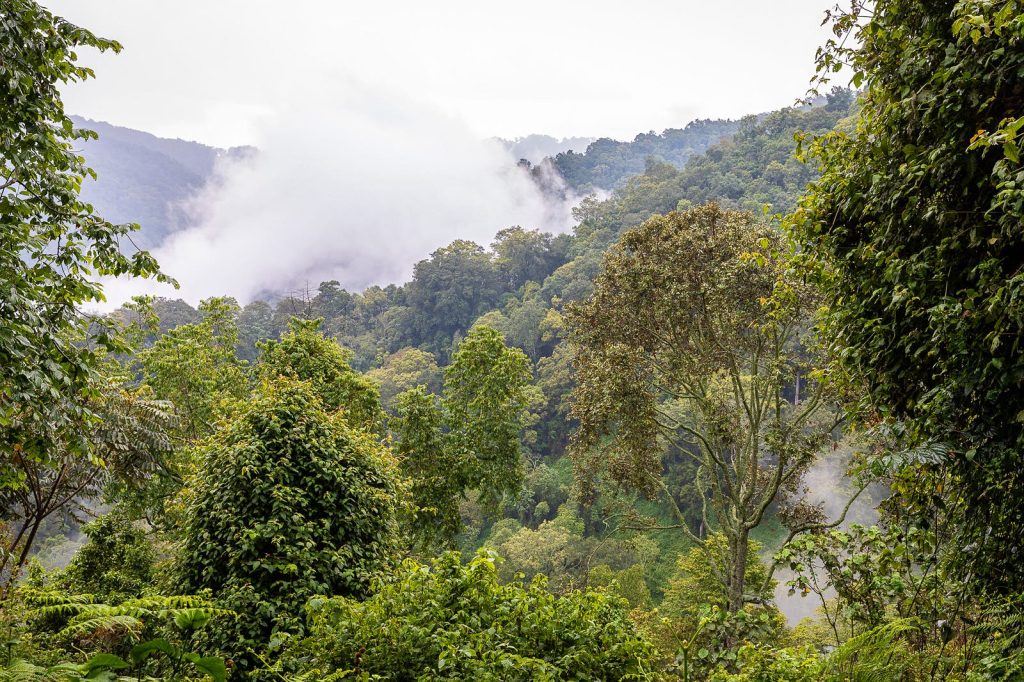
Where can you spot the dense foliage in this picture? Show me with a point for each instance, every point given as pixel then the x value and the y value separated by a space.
pixel 278 486
pixel 915 228
pixel 52 245
pixel 454 621
pixel 290 501
pixel 692 336
pixel 469 439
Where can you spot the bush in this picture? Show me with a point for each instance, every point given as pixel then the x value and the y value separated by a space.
pixel 765 664
pixel 116 564
pixel 454 621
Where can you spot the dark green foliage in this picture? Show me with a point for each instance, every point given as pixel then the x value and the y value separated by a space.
pixel 255 324
pixel 447 293
pixel 447 621
pixel 527 256
pixel 915 231
pixel 52 245
pixel 608 163
pixel 114 565
pixel 290 502
pixel 306 354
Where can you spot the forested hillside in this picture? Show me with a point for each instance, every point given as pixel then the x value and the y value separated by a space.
pixel 606 163
pixel 780 353
pixel 144 179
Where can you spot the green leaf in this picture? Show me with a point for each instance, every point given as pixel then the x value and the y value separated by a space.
pixel 142 651
pixel 103 661
pixel 191 619
pixel 212 666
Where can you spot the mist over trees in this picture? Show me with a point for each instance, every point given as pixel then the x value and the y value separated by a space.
pixel 555 455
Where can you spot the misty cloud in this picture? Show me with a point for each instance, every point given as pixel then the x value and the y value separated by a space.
pixel 356 187
pixel 828 485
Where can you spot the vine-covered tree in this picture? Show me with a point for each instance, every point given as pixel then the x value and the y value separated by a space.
pixel 915 231
pixel 306 354
pixel 290 501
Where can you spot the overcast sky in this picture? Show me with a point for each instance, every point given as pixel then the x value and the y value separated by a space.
pixel 216 70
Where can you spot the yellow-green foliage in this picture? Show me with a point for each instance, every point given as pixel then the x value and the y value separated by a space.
pixel 450 621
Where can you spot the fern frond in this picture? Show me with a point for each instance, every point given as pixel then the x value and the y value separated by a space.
pixel 23 671
pixel 102 623
pixel 875 655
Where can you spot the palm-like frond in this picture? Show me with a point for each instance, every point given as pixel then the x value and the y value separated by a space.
pixel 874 656
pixel 85 617
pixel 23 671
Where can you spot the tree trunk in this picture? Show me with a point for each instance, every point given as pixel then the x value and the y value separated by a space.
pixel 12 579
pixel 738 544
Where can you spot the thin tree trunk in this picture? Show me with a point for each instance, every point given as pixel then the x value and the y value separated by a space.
pixel 22 558
pixel 738 545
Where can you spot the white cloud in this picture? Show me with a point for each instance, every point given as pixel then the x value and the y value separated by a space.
pixel 356 187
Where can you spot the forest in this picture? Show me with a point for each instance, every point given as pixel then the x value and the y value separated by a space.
pixel 756 418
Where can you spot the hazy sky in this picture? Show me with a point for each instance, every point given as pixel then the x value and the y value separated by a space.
pixel 216 70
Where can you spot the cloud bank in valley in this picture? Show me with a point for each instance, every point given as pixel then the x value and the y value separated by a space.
pixel 355 187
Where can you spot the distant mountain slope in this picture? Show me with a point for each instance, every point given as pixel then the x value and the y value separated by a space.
pixel 607 164
pixel 143 178
pixel 535 148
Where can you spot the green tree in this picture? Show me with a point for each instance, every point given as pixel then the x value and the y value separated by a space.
pixel 195 366
pixel 114 565
pixel 527 255
pixel 692 338
pixel 438 476
pixel 447 293
pixel 255 324
pixel 52 245
pixel 484 399
pixel 914 232
pixel 290 502
pixel 475 628
pixel 404 370
pixel 470 438
pixel 306 354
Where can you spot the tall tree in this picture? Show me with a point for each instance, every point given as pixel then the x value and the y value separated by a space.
pixel 195 366
pixel 692 338
pixel 447 293
pixel 52 245
pixel 914 230
pixel 467 440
